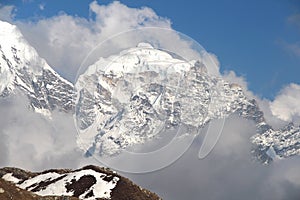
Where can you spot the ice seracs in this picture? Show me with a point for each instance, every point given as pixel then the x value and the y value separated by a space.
pixel 281 143
pixel 136 95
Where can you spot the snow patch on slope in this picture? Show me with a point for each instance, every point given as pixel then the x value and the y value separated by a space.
pixel 56 184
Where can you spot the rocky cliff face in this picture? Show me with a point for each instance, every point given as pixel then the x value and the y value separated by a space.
pixel 132 97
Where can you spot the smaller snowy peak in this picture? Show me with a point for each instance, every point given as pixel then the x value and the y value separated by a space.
pixel 88 183
pixel 22 70
pixel 17 50
pixel 9 31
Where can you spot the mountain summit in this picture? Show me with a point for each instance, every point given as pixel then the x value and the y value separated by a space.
pixel 142 92
pixel 23 71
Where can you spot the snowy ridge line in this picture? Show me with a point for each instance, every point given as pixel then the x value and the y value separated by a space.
pixel 23 71
pixel 88 183
pixel 123 99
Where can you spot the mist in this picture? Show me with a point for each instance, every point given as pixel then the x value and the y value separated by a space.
pixel 228 172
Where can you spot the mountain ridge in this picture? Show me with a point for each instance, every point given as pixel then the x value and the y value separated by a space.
pixel 22 70
pixel 140 87
pixel 126 98
pixel 89 182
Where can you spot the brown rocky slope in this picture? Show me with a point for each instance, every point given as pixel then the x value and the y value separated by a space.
pixel 90 183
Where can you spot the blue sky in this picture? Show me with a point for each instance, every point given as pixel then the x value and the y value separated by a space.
pixel 259 40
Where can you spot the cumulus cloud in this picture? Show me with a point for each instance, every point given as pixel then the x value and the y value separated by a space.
pixel 65 40
pixel 31 141
pixel 272 117
pixel 226 173
pixel 7 13
pixel 232 77
pixel 286 104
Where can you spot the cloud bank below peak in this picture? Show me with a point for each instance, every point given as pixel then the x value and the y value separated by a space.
pixel 286 104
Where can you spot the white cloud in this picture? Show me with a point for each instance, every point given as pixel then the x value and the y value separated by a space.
pixel 291 48
pixel 294 48
pixel 286 105
pixel 226 173
pixel 7 13
pixel 212 63
pixel 294 19
pixel 232 77
pixel 30 141
pixel 272 117
pixel 42 6
pixel 65 40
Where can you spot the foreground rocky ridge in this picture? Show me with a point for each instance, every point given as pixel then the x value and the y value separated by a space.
pixel 9 191
pixel 89 183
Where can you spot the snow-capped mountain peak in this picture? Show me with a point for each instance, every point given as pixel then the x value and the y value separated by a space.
pixel 131 97
pixel 139 59
pixel 22 70
pixel 18 51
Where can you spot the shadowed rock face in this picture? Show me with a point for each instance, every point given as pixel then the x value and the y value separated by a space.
pixel 135 96
pixel 90 182
pixel 9 191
